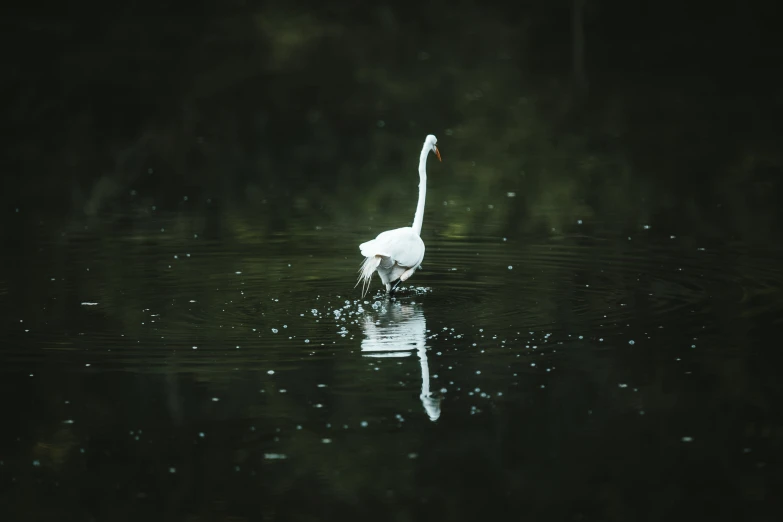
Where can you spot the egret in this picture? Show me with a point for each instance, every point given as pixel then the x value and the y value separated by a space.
pixel 396 254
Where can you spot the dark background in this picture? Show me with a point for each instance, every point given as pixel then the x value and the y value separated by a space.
pixel 261 101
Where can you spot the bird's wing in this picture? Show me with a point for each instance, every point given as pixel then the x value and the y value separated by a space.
pixel 402 245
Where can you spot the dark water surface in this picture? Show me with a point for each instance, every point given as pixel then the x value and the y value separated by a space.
pixel 156 373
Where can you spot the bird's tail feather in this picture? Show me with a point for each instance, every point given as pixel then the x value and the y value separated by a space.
pixel 369 265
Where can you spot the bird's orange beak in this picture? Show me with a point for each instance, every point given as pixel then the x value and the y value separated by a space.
pixel 437 153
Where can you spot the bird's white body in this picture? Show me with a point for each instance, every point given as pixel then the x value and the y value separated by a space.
pixel 397 254
pixel 394 254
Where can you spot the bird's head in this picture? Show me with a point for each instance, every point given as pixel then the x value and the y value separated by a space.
pixel 432 142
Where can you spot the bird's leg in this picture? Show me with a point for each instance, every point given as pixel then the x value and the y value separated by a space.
pixel 405 275
pixel 394 286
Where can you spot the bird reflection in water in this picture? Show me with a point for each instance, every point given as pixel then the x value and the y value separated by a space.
pixel 396 332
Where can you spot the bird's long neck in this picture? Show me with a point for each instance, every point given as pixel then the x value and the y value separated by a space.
pixel 418 218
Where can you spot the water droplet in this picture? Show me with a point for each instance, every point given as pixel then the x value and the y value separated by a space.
pixel 275 456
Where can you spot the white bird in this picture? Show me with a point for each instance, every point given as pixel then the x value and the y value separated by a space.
pixel 396 254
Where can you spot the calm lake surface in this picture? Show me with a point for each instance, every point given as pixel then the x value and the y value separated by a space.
pixel 156 372
pixel 594 335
